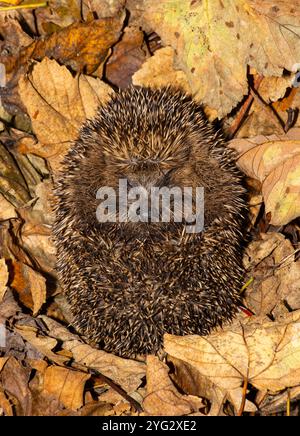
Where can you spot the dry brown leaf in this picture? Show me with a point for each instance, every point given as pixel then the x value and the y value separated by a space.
pixel 8 306
pixel 6 408
pixel 58 105
pixel 3 361
pixel 159 71
pixel 215 41
pixel 276 284
pixel 105 8
pixel 14 379
pixel 30 286
pixel 44 344
pixel 12 183
pixel 98 408
pixel 65 384
pixel 162 397
pixel 47 398
pixel 267 355
pixel 82 46
pixel 7 210
pixel 272 89
pixel 191 381
pixel 124 372
pixel 58 14
pixel 3 278
pixel 275 161
pixel 127 57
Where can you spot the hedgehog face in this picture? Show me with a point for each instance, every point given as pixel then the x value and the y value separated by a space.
pixel 141 178
pixel 159 146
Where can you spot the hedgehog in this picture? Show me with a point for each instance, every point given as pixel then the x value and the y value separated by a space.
pixel 128 282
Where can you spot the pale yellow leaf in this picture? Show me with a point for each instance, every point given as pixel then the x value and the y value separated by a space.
pixel 275 161
pixel 267 355
pixel 162 396
pixel 215 41
pixel 159 71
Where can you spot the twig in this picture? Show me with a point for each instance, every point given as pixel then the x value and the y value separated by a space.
pixel 242 112
pixel 23 6
pixel 117 388
pixel 244 393
pixel 288 403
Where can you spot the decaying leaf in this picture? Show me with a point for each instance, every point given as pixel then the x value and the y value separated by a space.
pixel 266 355
pixel 193 382
pixel 127 57
pixel 271 262
pixel 81 46
pixel 65 384
pixel 215 41
pixel 159 71
pixel 44 344
pixel 57 120
pixel 12 183
pixel 3 278
pixel 14 379
pixel 7 210
pixel 275 161
pixel 162 397
pixel 124 372
pixel 30 286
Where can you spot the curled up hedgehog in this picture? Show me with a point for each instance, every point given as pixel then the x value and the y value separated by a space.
pixel 130 281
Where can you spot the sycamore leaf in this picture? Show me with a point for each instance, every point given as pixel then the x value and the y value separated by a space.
pixel 266 355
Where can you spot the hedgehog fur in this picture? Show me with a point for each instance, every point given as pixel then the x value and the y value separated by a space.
pixel 129 283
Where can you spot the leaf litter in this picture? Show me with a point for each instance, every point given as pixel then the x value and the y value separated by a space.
pixel 56 76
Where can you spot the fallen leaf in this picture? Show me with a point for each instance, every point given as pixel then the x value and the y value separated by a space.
pixel 162 397
pixel 271 261
pixel 82 46
pixel 106 8
pixel 5 405
pixel 44 344
pixel 159 71
pixel 3 278
pixel 215 42
pixel 271 404
pixel 7 210
pixel 266 355
pixel 193 382
pixel 124 372
pixel 14 379
pixel 275 161
pixel 12 183
pixel 58 105
pixel 127 57
pixel 99 408
pixel 30 286
pixel 65 384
